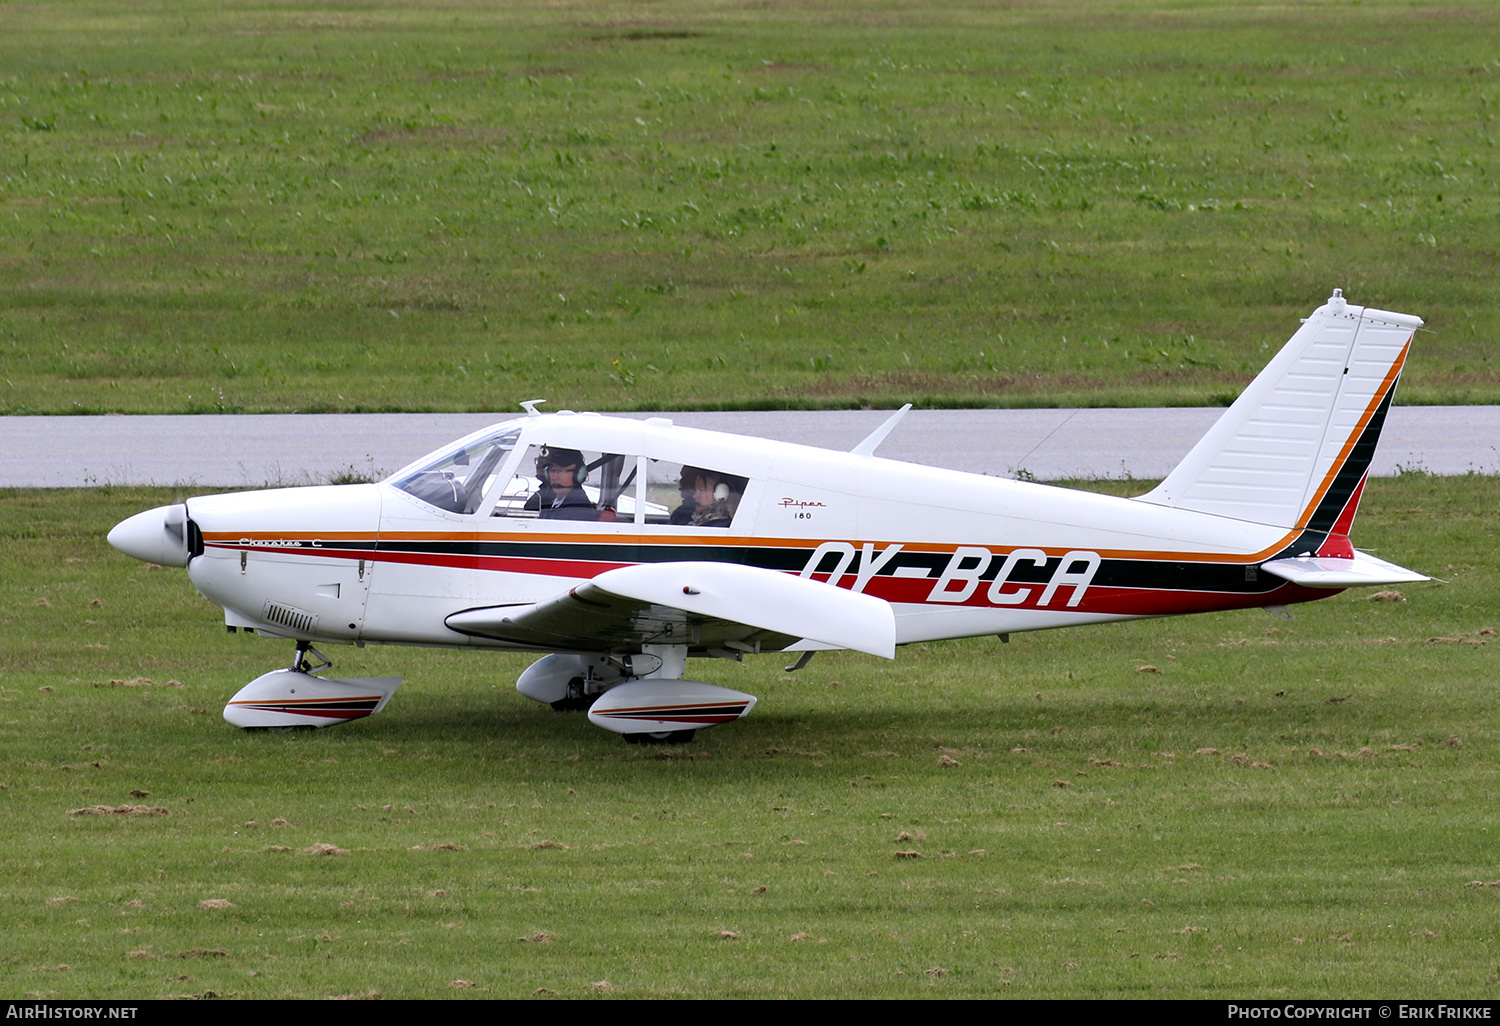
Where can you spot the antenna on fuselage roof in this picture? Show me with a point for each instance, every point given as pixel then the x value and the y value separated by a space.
pixel 867 447
pixel 530 406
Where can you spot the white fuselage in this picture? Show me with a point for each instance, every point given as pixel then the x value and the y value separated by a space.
pixel 955 554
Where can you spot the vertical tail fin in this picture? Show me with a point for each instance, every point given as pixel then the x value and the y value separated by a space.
pixel 1295 448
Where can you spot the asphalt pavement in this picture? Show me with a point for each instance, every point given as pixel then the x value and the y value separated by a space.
pixel 295 449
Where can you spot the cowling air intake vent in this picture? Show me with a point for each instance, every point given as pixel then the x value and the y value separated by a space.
pixel 289 617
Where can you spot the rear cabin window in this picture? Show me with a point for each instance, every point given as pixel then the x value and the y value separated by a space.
pixel 688 496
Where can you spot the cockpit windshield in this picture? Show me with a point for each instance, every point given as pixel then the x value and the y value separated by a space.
pixel 457 478
pixel 555 482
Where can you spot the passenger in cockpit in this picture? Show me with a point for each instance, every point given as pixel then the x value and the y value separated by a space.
pixel 709 498
pixel 561 495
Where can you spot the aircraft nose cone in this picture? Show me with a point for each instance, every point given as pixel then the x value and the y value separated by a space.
pixel 156 536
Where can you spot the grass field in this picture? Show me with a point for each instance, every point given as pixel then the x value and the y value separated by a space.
pixel 454 206
pixel 1220 806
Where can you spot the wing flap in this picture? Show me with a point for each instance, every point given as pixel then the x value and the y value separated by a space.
pixel 1337 572
pixel 700 604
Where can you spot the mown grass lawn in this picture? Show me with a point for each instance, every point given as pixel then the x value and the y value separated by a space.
pixel 1229 805
pixel 456 206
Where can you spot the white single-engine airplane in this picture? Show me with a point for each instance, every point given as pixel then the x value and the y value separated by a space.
pixel 624 547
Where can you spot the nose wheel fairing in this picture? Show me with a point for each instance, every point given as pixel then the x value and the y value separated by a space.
pixel 294 698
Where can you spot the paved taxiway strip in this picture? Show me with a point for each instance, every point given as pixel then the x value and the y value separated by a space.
pixel 291 449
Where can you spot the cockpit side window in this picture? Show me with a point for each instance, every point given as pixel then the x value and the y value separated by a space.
pixel 561 483
pixel 456 479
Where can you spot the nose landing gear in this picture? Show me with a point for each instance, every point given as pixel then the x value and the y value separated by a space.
pixel 296 697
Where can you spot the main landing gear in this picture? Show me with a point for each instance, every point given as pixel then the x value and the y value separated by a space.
pixel 640 695
pixel 583 693
pixel 578 698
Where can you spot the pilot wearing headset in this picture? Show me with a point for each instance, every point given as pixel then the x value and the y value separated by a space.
pixel 561 495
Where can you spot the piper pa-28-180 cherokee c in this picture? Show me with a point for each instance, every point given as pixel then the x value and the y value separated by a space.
pixel 623 547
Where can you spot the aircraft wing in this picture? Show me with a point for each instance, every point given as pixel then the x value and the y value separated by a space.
pixel 699 604
pixel 1337 572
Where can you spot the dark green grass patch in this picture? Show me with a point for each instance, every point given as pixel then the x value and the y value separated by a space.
pixel 1229 805
pixel 241 207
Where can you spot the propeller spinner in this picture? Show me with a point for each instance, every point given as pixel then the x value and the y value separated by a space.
pixel 158 535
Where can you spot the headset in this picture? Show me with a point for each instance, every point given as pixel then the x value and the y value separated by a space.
pixel 550 457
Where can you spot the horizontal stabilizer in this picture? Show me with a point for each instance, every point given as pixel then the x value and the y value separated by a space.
pixel 1336 572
